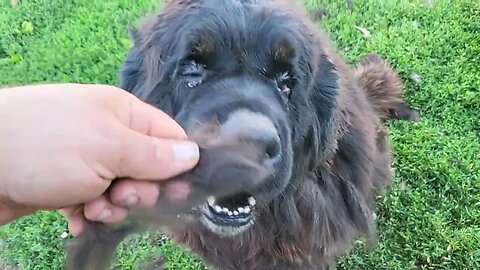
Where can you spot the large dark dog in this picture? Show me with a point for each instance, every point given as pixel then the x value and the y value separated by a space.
pixel 258 83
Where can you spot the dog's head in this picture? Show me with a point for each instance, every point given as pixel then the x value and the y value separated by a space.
pixel 253 70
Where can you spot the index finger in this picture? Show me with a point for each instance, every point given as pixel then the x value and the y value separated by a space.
pixel 143 117
pixel 151 121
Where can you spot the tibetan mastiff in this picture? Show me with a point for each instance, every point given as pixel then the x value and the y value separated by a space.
pixel 293 147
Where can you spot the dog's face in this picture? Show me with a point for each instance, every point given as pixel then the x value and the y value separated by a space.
pixel 249 70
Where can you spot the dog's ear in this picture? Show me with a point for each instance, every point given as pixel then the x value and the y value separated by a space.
pixel 323 99
pixel 134 34
pixel 145 66
pixel 341 155
pixel 157 46
pixel 130 75
pixel 318 128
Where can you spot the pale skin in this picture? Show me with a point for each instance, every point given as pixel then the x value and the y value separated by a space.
pixel 63 145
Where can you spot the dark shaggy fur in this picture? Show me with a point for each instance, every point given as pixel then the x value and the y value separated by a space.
pixel 205 60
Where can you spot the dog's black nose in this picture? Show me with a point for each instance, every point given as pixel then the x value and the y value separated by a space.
pixel 268 141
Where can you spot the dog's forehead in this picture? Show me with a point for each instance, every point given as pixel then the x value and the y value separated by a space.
pixel 236 29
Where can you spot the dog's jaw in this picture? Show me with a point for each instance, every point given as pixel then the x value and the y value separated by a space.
pixel 225 222
pixel 220 230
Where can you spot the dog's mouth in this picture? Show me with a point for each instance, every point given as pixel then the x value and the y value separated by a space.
pixel 232 211
pixel 229 215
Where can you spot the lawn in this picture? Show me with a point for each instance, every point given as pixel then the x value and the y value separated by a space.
pixel 428 219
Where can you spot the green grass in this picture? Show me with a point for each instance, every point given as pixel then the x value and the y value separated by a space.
pixel 429 218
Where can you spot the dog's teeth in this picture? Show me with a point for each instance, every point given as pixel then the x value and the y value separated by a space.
pixel 218 209
pixel 241 210
pixel 211 200
pixel 251 201
pixel 225 210
pixel 235 213
pixel 230 213
pixel 247 209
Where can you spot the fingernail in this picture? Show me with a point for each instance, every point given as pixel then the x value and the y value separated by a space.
pixel 131 200
pixel 106 213
pixel 186 151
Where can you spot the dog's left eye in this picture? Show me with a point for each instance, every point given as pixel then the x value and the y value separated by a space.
pixel 194 73
pixel 285 82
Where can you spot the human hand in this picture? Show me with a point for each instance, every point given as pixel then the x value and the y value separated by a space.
pixel 62 145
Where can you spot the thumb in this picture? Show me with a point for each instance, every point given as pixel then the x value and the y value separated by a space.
pixel 154 146
pixel 150 158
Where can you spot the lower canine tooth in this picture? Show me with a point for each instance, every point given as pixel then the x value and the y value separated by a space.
pixel 211 200
pixel 251 201
pixel 247 210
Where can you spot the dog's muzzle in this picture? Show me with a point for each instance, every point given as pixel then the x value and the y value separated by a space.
pixel 230 215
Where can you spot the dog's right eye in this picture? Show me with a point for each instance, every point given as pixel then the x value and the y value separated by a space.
pixel 285 82
pixel 194 73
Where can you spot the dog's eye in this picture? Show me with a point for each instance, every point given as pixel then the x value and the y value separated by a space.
pixel 194 73
pixel 285 82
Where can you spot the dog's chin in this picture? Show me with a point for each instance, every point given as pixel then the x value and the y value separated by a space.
pixel 228 217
